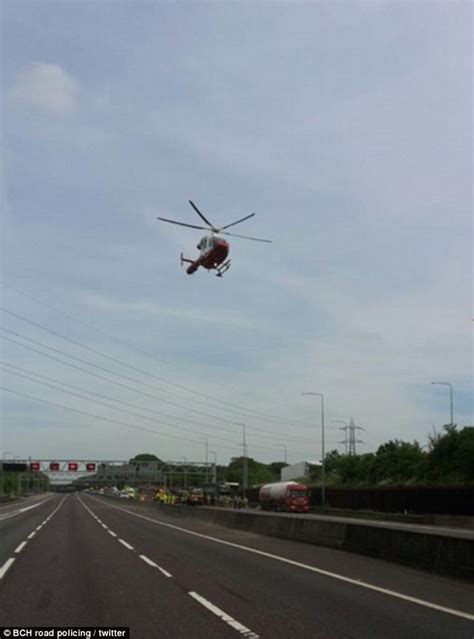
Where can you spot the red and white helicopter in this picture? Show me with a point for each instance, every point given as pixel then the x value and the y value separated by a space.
pixel 213 250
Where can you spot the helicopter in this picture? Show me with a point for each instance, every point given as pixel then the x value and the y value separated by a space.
pixel 213 250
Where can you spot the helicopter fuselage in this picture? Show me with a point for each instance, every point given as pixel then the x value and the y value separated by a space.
pixel 213 252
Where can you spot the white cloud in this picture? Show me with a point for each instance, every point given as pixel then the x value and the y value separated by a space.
pixel 46 88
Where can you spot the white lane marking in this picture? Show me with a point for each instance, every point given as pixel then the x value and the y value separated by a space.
pixel 20 511
pixel 236 625
pixel 298 564
pixel 31 535
pixel 152 563
pixel 127 545
pixel 21 546
pixel 124 543
pixel 6 566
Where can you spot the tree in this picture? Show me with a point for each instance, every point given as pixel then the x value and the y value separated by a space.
pixel 399 462
pixel 451 454
pixel 258 473
pixel 144 457
pixel 275 469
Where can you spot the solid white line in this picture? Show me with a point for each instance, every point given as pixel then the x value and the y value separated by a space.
pixel 236 625
pixel 124 543
pixel 291 562
pixel 6 566
pixel 21 546
pixel 20 511
pixel 152 563
pixel 23 510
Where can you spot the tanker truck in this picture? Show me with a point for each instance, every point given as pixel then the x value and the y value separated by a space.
pixel 285 495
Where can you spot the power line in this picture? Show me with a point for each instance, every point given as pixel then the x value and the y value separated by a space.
pixel 262 415
pixel 121 410
pixel 116 421
pixel 118 401
pixel 101 368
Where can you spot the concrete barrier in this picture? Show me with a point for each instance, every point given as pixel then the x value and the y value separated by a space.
pixel 441 552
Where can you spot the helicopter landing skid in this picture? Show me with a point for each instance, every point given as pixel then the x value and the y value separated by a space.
pixel 223 268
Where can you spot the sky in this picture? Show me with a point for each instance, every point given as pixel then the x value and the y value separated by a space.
pixel 345 126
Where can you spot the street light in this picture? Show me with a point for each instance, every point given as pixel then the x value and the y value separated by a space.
pixel 184 469
pixel 207 456
pixel 244 457
pixel 323 474
pixel 213 452
pixel 450 397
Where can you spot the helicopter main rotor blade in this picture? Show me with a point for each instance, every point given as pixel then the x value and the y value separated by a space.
pixel 191 226
pixel 201 215
pixel 238 221
pixel 246 237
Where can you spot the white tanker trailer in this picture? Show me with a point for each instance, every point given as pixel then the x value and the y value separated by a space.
pixel 285 495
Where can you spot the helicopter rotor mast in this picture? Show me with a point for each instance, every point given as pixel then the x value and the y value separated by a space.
pixel 214 229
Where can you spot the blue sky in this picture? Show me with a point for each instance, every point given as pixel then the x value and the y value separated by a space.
pixel 346 127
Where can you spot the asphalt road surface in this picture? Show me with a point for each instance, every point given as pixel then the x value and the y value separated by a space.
pixel 83 560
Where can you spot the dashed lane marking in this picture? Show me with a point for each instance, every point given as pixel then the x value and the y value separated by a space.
pixel 236 625
pixel 124 543
pixel 18 549
pixel 152 563
pixel 326 573
pixel 127 545
pixel 6 566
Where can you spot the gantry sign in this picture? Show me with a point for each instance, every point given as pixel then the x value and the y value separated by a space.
pixel 110 471
pixel 63 466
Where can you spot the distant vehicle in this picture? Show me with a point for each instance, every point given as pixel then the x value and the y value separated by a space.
pixel 214 250
pixel 220 489
pixel 127 493
pixel 195 497
pixel 285 495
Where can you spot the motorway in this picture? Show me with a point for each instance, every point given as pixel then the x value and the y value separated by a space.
pixel 83 560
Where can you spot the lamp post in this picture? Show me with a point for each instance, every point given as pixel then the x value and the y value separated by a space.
pixel 207 457
pixel 323 477
pixel 450 398
pixel 214 480
pixel 184 470
pixel 244 457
